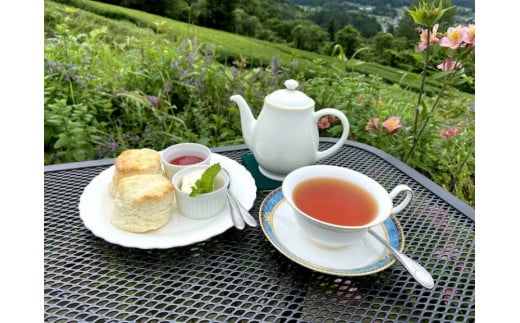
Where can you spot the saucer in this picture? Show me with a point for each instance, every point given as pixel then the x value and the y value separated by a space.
pixel 365 257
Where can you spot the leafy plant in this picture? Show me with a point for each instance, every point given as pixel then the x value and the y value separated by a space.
pixel 205 183
pixel 72 129
pixel 116 87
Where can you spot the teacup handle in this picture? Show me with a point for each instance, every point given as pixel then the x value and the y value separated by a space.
pixel 342 140
pixel 401 188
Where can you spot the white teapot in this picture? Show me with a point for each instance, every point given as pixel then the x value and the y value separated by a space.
pixel 285 135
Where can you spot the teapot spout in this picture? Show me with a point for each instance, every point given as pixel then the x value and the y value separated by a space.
pixel 247 120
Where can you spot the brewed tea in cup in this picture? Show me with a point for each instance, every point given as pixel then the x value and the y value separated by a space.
pixel 334 206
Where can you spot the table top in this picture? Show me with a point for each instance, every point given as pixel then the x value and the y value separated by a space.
pixel 238 276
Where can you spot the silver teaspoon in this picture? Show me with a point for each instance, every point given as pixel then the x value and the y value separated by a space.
pixel 241 210
pixel 238 222
pixel 421 275
pixel 246 216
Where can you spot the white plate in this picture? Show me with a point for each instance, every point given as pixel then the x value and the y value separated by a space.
pixel 96 206
pixel 365 257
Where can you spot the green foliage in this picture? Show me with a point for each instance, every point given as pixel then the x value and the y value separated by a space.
pixel 230 47
pixel 349 38
pixel 395 75
pixel 408 28
pixel 426 14
pixel 308 36
pixel 450 162
pixel 344 14
pixel 117 86
pixel 205 183
pixel 72 129
pixel 140 92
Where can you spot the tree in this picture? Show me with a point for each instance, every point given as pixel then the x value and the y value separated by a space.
pixel 382 41
pixel 239 16
pixel 178 10
pixel 218 14
pixel 382 49
pixel 192 12
pixel 282 28
pixel 331 29
pixel 308 36
pixel 250 25
pixel 366 25
pixel 390 29
pixel 349 38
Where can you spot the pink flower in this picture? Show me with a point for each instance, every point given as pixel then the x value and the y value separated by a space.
pixel 424 38
pixel 333 119
pixel 448 133
pixel 453 38
pixel 327 121
pixel 449 65
pixel 372 124
pixel 468 35
pixel 392 124
pixel 324 123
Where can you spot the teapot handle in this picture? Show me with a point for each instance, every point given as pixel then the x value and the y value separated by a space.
pixel 342 140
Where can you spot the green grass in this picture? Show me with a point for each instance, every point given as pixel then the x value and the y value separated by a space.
pixel 258 53
pixel 229 46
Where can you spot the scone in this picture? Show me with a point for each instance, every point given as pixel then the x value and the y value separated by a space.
pixel 134 162
pixel 143 203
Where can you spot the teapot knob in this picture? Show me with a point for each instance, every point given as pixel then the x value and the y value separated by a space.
pixel 291 84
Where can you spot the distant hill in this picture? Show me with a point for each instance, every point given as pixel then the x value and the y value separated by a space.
pixel 377 3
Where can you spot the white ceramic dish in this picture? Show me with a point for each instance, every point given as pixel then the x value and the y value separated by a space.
pixel 364 257
pixel 202 206
pixel 96 207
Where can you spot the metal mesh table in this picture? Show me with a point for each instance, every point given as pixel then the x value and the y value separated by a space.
pixel 238 276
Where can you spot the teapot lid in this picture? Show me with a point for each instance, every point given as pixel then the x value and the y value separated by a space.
pixel 289 98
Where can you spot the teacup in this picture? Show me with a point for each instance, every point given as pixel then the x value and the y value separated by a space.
pixel 180 156
pixel 205 205
pixel 335 206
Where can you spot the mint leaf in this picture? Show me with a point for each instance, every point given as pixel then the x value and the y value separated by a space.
pixel 205 183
